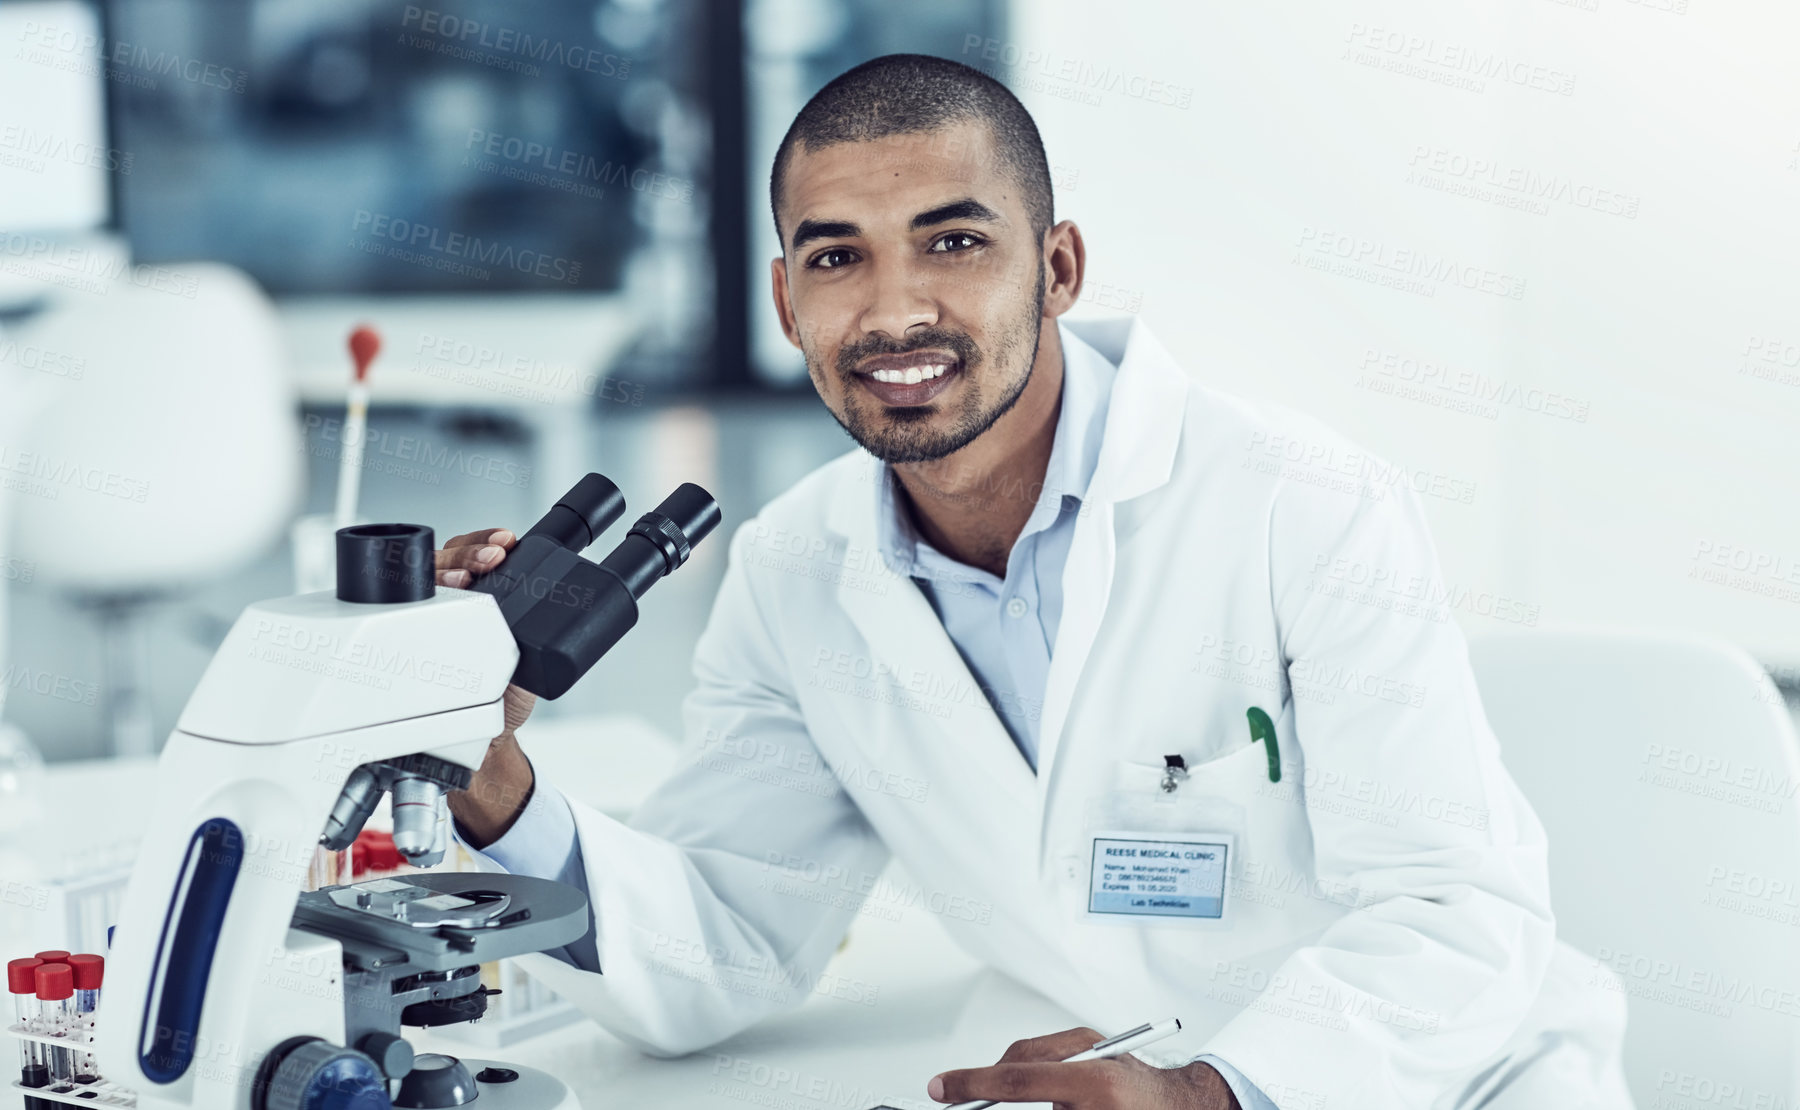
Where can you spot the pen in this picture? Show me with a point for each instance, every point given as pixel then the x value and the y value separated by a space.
pixel 1261 728
pixel 1130 1040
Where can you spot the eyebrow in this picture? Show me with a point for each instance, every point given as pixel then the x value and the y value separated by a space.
pixel 823 229
pixel 967 208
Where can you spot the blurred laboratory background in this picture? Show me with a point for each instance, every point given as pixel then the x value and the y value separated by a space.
pixel 231 187
pixel 200 198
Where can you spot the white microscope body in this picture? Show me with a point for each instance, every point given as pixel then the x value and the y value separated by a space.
pixel 303 691
pixel 222 993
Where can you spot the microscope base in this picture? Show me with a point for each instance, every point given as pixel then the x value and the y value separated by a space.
pixel 532 1090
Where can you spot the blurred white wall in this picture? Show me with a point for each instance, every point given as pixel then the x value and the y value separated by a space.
pixel 1298 197
pixel 54 158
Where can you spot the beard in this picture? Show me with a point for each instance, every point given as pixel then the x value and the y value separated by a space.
pixel 903 434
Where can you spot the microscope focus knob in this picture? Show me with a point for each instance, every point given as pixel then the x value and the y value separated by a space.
pixel 319 1075
pixel 436 1082
pixel 391 1054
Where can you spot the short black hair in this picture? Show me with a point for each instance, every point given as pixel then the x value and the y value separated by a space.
pixel 909 94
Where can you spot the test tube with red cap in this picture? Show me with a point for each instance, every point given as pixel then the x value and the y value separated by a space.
pixel 21 982
pixel 88 970
pixel 54 956
pixel 56 1014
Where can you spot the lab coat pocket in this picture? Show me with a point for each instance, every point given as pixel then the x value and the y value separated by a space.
pixel 1272 897
pixel 1145 795
pixel 1157 850
pixel 1276 900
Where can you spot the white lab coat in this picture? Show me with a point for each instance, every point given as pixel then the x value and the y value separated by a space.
pixel 1390 936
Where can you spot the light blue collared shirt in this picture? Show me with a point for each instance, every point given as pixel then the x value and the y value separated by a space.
pixel 1004 628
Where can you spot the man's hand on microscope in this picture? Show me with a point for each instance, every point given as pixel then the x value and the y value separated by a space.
pixel 499 791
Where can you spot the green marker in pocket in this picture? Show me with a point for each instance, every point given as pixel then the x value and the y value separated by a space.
pixel 1261 728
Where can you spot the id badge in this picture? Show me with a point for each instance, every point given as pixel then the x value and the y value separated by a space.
pixel 1156 857
pixel 1142 877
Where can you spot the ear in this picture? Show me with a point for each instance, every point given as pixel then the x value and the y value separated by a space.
pixel 1065 256
pixel 784 304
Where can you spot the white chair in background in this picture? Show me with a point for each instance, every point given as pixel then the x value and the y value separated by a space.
pixel 1666 770
pixel 173 461
pixel 22 398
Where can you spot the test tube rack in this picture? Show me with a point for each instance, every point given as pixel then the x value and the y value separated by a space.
pixel 98 1093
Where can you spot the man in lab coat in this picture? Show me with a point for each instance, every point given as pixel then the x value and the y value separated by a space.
pixel 1147 687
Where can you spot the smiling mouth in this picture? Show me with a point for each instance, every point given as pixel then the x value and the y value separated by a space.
pixel 908 379
pixel 911 375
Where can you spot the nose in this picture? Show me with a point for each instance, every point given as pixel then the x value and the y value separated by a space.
pixel 899 300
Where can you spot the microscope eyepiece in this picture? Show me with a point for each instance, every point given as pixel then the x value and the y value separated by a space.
pixel 692 511
pixel 566 612
pixel 588 509
pixel 663 538
pixel 384 564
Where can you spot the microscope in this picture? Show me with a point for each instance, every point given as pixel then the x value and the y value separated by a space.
pixel 231 989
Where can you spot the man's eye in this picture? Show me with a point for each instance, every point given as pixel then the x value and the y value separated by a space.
pixel 831 259
pixel 955 241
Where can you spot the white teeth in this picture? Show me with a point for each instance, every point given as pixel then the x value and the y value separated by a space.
pixel 912 375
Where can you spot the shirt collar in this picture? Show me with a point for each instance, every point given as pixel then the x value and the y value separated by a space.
pixel 1074 455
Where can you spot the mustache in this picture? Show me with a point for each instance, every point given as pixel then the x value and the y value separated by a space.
pixel 956 342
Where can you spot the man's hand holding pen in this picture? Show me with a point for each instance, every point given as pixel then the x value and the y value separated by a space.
pixel 1065 1070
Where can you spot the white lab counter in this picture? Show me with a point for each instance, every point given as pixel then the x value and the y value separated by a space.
pixel 932 1008
pixel 921 1005
pixel 521 351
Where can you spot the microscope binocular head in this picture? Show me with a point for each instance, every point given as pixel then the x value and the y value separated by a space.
pixel 564 611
